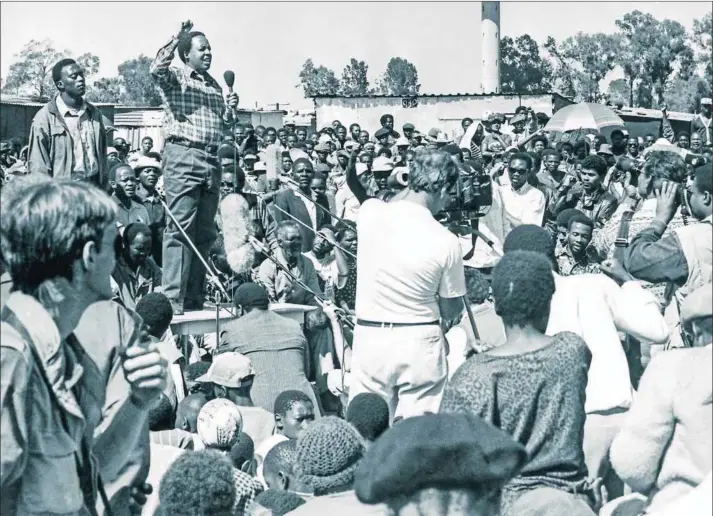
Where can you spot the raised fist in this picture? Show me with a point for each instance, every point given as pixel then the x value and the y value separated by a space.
pixel 186 26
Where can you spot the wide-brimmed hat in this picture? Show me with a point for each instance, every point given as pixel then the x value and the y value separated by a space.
pixel 605 150
pixel 402 142
pixel 142 162
pixel 322 147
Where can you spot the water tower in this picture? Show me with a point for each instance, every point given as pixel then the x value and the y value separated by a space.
pixel 490 47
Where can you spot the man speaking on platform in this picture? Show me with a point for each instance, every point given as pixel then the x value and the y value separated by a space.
pixel 409 277
pixel 195 117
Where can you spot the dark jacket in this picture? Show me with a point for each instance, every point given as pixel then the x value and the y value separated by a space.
pixel 51 149
pixel 291 203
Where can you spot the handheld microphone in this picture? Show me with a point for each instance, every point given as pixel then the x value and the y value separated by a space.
pixel 229 77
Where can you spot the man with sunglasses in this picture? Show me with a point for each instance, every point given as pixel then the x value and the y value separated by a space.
pixel 684 257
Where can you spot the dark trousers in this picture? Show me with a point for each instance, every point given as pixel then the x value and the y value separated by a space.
pixel 192 186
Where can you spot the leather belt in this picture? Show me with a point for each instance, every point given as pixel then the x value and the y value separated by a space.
pixel 375 324
pixel 210 148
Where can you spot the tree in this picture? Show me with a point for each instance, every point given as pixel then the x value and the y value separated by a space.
pixel 138 88
pixel 619 90
pixel 583 61
pixel 354 78
pixel 702 36
pixel 400 78
pixel 522 68
pixel 107 90
pixel 685 95
pixel 661 48
pixel 318 80
pixel 31 71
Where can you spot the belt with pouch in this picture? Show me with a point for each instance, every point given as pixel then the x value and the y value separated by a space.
pixel 376 324
pixel 209 148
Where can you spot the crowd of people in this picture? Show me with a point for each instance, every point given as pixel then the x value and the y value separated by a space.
pixel 552 359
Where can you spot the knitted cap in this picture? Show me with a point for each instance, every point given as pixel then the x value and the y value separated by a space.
pixel 328 453
pixel 219 424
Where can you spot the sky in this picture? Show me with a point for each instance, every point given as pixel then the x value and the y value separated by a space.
pixel 266 43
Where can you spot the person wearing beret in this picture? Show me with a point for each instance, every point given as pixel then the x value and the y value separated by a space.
pixel 664 450
pixel 383 137
pixel 275 345
pixel 445 464
pixel 409 129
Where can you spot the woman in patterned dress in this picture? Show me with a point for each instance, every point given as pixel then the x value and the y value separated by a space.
pixel 533 388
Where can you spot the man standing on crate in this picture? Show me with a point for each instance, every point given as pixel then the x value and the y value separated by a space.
pixel 195 117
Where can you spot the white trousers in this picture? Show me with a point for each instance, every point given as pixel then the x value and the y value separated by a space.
pixel 405 365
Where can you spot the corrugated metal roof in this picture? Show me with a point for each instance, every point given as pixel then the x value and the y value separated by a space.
pixel 17 100
pixel 654 113
pixel 431 95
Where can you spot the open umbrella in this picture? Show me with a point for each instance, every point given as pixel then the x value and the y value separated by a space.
pixel 583 116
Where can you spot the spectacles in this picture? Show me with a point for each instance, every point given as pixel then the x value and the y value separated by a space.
pixel 227 185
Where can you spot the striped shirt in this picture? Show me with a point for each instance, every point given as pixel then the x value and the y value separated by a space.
pixel 194 108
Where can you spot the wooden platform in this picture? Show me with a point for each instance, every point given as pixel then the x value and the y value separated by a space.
pixel 204 321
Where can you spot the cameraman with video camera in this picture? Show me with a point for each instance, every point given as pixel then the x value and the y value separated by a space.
pixel 410 279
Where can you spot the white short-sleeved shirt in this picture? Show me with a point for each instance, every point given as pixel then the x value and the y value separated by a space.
pixel 405 259
pixel 524 206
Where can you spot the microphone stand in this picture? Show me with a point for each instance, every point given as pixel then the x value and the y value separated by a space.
pixel 320 300
pixel 212 277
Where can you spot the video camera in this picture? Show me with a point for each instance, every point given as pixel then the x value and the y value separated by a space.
pixel 472 197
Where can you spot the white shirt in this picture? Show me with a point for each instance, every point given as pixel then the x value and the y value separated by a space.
pixel 594 307
pixel 326 268
pixel 405 259
pixel 347 204
pixel 524 206
pixel 494 226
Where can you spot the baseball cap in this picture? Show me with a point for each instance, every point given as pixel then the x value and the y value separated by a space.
pixel 382 164
pixel 229 369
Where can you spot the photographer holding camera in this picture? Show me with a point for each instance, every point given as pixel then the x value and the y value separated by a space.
pixel 684 256
pixel 410 279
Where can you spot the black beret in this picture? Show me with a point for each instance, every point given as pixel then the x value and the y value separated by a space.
pixel 436 450
pixel 249 295
pixel 382 132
